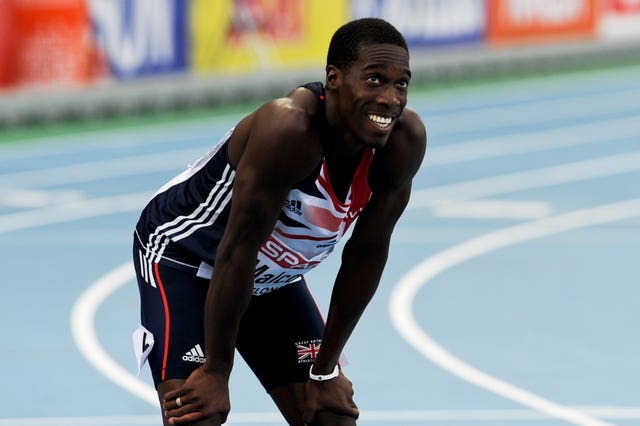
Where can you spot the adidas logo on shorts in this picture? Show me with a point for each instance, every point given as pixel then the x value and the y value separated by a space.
pixel 195 354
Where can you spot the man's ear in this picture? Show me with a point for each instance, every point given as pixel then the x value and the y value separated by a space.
pixel 333 77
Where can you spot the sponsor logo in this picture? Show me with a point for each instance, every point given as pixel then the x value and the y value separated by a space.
pixel 194 354
pixel 283 257
pixel 327 244
pixel 259 291
pixel 294 206
pixel 308 350
pixel 263 275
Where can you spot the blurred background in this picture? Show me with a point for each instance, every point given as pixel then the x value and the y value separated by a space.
pixel 104 58
pixel 533 114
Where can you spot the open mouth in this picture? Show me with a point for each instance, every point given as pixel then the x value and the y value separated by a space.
pixel 381 122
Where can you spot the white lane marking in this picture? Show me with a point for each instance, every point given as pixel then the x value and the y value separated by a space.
pixel 498 146
pixel 403 294
pixel 535 114
pixel 101 140
pixel 82 318
pixel 82 209
pixel 95 170
pixel 486 209
pixel 83 332
pixel 536 141
pixel 34 198
pixel 73 211
pixel 425 198
pixel 374 416
pixel 529 179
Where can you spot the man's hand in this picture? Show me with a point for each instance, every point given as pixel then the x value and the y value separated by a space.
pixel 335 395
pixel 203 396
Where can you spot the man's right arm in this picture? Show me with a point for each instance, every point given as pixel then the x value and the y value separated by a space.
pixel 260 187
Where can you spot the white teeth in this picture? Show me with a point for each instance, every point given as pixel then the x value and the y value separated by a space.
pixel 380 121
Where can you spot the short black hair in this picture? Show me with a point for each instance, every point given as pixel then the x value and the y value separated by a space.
pixel 347 40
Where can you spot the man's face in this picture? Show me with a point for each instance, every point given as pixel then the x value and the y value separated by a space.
pixel 373 93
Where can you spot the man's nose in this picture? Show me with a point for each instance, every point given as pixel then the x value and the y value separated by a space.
pixel 389 96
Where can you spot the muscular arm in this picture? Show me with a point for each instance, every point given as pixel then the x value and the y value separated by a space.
pixel 365 254
pixel 363 261
pixel 275 137
pixel 264 141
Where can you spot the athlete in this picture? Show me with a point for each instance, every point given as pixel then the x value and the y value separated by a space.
pixel 221 250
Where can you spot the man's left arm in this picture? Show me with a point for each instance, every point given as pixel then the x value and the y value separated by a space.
pixel 365 254
pixel 364 258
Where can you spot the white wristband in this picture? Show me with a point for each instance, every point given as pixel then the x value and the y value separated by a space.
pixel 323 377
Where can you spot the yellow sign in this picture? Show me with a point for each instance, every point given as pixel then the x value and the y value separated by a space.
pixel 250 35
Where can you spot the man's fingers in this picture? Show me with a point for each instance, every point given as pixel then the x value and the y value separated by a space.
pixel 326 417
pixel 194 416
pixel 311 414
pixel 187 418
pixel 351 411
pixel 178 411
pixel 174 399
pixel 172 395
pixel 177 402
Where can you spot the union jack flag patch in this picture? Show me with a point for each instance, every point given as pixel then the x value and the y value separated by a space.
pixel 308 350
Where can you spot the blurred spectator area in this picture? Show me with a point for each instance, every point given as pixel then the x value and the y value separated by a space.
pixel 78 59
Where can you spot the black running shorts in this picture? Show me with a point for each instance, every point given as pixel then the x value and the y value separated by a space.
pixel 279 336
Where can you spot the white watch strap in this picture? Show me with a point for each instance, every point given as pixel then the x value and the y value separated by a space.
pixel 323 377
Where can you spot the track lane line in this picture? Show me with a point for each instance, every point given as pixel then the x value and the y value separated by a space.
pixel 405 290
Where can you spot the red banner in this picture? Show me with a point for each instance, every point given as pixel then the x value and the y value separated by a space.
pixel 7 45
pixel 623 6
pixel 520 20
pixel 45 41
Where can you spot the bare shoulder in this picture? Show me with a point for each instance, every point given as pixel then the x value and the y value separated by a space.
pixel 411 126
pixel 281 132
pixel 396 164
pixel 292 116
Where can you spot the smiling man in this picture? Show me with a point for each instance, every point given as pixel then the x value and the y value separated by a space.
pixel 222 249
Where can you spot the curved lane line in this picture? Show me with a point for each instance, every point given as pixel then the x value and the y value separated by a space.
pixel 403 294
pixel 84 336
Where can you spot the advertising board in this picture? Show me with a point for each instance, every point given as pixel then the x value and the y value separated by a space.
pixel 429 22
pixel 247 35
pixel 541 20
pixel 141 37
pixel 44 42
pixel 619 19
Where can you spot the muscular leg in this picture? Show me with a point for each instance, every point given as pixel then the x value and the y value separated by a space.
pixel 290 400
pixel 284 321
pixel 169 385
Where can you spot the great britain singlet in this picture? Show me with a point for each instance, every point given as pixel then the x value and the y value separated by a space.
pixel 183 223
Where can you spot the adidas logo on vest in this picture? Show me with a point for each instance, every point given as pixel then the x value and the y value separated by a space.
pixel 294 206
pixel 195 354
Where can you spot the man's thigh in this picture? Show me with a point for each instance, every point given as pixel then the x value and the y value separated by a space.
pixel 280 335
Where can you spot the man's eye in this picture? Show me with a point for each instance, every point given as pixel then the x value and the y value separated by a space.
pixel 373 79
pixel 403 84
